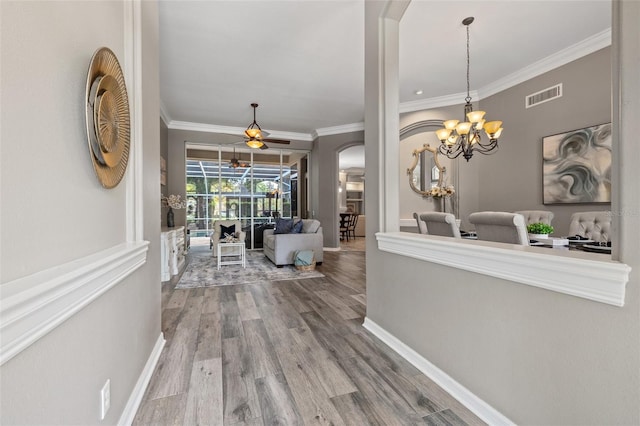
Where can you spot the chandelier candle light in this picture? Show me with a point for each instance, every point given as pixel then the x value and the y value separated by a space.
pixel 464 137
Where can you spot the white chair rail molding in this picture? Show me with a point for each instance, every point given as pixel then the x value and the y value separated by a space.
pixel 575 273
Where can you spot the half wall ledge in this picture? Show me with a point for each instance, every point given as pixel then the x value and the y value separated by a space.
pixel 579 274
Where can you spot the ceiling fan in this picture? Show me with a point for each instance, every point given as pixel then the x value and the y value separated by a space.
pixel 256 137
pixel 234 163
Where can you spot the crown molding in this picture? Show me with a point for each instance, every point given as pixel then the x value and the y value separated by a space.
pixel 556 60
pixel 164 115
pixel 338 130
pixel 437 102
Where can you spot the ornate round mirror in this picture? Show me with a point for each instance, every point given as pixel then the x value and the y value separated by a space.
pixel 426 170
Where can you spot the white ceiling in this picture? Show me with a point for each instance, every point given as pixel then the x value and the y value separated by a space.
pixel 303 61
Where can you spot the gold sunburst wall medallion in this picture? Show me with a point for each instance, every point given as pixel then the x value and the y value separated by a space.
pixel 107 116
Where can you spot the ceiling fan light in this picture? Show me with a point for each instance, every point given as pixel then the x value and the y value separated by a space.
pixel 252 133
pixel 254 143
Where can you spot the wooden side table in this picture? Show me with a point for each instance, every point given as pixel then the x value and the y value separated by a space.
pixel 240 252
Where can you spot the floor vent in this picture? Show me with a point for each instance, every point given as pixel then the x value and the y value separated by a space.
pixel 543 96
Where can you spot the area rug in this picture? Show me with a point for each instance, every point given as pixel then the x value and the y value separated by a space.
pixel 202 271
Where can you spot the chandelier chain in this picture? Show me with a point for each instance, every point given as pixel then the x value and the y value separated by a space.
pixel 468 98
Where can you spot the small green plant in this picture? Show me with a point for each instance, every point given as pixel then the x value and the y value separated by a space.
pixel 539 228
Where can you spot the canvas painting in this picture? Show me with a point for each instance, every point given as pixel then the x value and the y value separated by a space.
pixel 577 166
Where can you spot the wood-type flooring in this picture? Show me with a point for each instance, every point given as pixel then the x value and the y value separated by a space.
pixel 286 353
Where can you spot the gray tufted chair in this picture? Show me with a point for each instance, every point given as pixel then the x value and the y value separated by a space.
pixel 536 216
pixel 593 225
pixel 441 224
pixel 502 227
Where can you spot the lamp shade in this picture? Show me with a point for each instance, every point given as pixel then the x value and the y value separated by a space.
pixel 463 128
pixel 443 134
pixel 450 124
pixel 252 133
pixel 475 116
pixel 492 126
pixel 254 143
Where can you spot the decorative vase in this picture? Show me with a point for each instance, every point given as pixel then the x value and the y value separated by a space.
pixel 170 222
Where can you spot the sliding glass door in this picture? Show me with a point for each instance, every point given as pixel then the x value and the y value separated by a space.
pixel 255 187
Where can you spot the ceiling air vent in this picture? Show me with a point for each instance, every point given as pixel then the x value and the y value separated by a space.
pixel 543 96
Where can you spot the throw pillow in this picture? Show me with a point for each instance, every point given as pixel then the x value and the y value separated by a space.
pixel 283 226
pixel 225 231
pixel 297 227
pixel 310 226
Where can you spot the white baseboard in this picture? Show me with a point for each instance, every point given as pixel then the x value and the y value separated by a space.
pixel 330 248
pixel 476 405
pixel 130 410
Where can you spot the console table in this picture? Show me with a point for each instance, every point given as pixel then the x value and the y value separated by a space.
pixel 172 252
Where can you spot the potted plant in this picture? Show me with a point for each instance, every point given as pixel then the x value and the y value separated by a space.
pixel 539 230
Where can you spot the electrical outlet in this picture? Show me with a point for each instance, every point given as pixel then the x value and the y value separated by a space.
pixel 105 399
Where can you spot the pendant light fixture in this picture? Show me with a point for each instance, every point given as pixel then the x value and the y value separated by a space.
pixel 464 137
pixel 254 132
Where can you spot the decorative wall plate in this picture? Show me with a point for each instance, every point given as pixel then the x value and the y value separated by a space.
pixel 107 116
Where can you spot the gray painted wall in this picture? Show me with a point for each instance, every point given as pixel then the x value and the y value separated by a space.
pixel 324 182
pixel 537 356
pixel 511 179
pixel 164 153
pixel 46 49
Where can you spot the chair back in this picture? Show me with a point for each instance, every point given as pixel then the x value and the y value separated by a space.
pixel 501 227
pixel 353 221
pixel 536 216
pixel 443 224
pixel 593 225
pixel 422 227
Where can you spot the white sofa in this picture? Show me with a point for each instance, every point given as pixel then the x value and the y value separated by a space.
pixel 281 248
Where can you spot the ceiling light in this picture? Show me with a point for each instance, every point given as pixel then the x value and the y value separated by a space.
pixel 254 143
pixel 464 137
pixel 418 92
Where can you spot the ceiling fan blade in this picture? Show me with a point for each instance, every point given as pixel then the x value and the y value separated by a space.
pixel 264 146
pixel 282 141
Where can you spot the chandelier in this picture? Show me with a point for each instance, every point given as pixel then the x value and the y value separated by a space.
pixel 464 137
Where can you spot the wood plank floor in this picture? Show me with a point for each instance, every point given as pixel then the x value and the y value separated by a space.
pixel 286 353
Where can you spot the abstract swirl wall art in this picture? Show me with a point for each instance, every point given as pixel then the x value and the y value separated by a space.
pixel 576 166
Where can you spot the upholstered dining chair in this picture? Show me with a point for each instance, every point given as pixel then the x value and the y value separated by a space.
pixel 536 216
pixel 502 227
pixel 217 235
pixel 593 225
pixel 443 224
pixel 422 227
